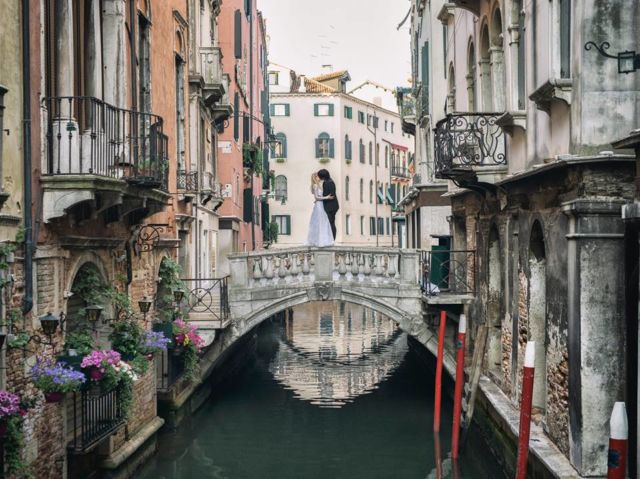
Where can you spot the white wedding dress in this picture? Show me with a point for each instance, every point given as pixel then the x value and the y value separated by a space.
pixel 319 228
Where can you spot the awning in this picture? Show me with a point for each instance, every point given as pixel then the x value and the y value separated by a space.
pixel 390 200
pixel 380 196
pixel 396 146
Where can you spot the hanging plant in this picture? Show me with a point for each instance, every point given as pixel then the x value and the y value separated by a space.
pixel 12 434
pixel 189 343
pixel 169 276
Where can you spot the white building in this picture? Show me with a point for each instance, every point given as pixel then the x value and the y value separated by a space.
pixel 360 143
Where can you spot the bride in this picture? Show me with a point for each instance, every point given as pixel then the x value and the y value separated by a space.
pixel 319 228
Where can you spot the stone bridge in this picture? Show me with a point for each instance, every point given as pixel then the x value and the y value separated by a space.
pixel 264 283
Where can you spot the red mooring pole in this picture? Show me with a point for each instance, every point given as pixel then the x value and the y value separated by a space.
pixel 438 396
pixel 618 436
pixel 457 396
pixel 526 399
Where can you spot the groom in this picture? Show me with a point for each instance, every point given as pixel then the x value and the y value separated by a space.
pixel 331 205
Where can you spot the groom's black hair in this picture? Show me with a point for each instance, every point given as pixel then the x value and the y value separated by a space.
pixel 324 174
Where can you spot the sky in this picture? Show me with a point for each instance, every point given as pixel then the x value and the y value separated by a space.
pixel 355 35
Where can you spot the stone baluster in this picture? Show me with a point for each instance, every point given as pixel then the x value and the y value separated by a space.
pixel 355 267
pixel 367 264
pixel 305 264
pixel 342 265
pixel 282 268
pixel 391 268
pixel 295 261
pixel 257 269
pixel 269 272
pixel 378 261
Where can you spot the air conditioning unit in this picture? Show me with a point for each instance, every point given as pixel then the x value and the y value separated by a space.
pixel 227 191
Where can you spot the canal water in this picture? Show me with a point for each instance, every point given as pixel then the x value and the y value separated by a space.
pixel 336 391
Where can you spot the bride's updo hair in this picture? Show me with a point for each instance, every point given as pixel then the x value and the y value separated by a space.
pixel 314 181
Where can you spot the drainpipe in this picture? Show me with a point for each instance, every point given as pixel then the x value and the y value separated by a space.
pixel 253 225
pixel 27 301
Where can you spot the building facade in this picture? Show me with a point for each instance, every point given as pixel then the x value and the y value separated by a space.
pixel 318 124
pixel 242 144
pixel 522 117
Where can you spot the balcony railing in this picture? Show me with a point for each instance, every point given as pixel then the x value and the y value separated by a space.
pixel 86 136
pixel 448 271
pixel 211 65
pixel 208 298
pixel 467 140
pixel 169 369
pixel 407 107
pixel 399 172
pixel 187 180
pixel 96 415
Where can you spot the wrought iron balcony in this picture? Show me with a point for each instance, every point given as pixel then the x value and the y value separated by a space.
pixel 448 272
pixel 95 415
pixel 211 71
pixel 86 136
pixel 399 172
pixel 464 141
pixel 187 181
pixel 407 107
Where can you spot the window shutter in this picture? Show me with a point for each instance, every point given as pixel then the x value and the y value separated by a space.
pixel 236 117
pixel 272 110
pixel 315 109
pixel 424 73
pixel 245 129
pixel 247 205
pixel 288 223
pixel 286 109
pixel 317 148
pixel 331 109
pixel 331 148
pixel 237 34
pixel 284 146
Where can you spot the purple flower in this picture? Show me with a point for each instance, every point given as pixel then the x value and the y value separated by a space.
pixel 154 341
pixel 9 404
pixel 56 377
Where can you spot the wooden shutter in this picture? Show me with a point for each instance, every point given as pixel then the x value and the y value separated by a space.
pixel 288 223
pixel 237 32
pixel 247 205
pixel 245 129
pixel 425 75
pixel 286 109
pixel 236 117
pixel 272 110
pixel 317 147
pixel 331 148
pixel 331 109
pixel 315 109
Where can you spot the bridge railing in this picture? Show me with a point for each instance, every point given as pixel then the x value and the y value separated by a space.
pixel 448 271
pixel 307 265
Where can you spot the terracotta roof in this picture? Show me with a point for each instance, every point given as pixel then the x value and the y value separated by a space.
pixel 310 85
pixel 331 76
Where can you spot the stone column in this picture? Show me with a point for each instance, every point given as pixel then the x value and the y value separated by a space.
pixel 497 74
pixel 471 91
pixel 409 266
pixel 595 293
pixel 239 272
pixel 486 85
pixel 93 52
pixel 113 34
pixel 514 43
pixel 64 48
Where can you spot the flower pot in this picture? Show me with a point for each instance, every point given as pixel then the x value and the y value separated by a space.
pixel 54 396
pixel 3 428
pixel 149 357
pixel 95 374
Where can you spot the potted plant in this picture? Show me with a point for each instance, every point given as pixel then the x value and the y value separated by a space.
pixel 153 342
pixel 77 345
pixel 9 407
pixel 188 343
pixel 101 365
pixel 126 338
pixel 56 379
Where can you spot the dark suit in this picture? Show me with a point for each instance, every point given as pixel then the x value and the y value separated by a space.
pixel 331 207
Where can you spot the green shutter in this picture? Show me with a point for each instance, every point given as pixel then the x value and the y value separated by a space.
pixel 286 109
pixel 317 148
pixel 236 117
pixel 331 109
pixel 288 223
pixel 331 148
pixel 272 110
pixel 237 31
pixel 247 205
pixel 315 109
pixel 425 74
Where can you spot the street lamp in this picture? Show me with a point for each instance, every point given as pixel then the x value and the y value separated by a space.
pixel 628 61
pixel 178 295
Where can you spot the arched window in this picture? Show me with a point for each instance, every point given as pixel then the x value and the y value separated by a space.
pixel 499 81
pixel 346 188
pixel 371 191
pixel 451 90
pixel 471 76
pixel 361 151
pixel 281 188
pixel 361 190
pixel 324 146
pixel 347 147
pixel 377 154
pixel 279 149
pixel 486 84
pixel 370 153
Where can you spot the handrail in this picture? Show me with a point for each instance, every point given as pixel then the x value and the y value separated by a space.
pixel 448 271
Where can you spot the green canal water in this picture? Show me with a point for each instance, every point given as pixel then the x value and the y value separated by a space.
pixel 334 392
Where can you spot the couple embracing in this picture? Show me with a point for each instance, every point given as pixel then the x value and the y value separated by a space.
pixel 322 227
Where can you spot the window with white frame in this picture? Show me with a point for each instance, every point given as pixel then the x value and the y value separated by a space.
pixel 274 78
pixel 280 109
pixel 284 224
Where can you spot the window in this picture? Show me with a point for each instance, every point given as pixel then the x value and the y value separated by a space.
pixel 372 226
pixel 279 149
pixel 381 226
pixel 280 109
pixel 362 225
pixel 361 117
pixel 386 125
pixel 375 121
pixel 347 224
pixel 284 224
pixel 361 190
pixel 371 153
pixel 346 188
pixel 386 156
pixel 391 127
pixel 371 191
pixel 361 151
pixel 274 78
pixel 281 188
pixel 347 147
pixel 565 38
pixel 348 112
pixel 388 229
pixel 369 119
pixel 323 109
pixel 324 146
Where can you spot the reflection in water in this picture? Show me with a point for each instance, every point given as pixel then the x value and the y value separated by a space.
pixel 330 354
pixel 335 393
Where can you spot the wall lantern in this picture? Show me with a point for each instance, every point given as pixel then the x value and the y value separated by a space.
pixel 178 294
pixel 49 323
pixel 628 61
pixel 144 305
pixel 93 313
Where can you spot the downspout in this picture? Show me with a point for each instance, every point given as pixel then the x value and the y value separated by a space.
pixel 27 301
pixel 253 216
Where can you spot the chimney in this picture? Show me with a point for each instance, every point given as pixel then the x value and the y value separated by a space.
pixel 303 88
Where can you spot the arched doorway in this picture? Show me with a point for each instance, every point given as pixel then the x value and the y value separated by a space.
pixel 538 313
pixel 494 304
